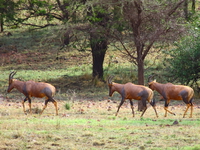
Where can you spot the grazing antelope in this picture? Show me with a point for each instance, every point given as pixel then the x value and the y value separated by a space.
pixel 170 91
pixel 131 91
pixel 33 89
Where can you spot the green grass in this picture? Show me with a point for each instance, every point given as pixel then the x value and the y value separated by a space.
pixel 83 131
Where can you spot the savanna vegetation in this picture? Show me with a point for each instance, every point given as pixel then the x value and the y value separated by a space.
pixel 76 46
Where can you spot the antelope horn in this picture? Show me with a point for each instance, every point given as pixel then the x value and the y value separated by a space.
pixel 12 74
pixel 110 79
pixel 150 78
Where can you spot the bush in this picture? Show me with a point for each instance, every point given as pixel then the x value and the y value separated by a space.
pixel 67 106
pixel 185 61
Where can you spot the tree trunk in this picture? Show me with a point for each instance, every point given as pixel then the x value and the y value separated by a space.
pixel 99 47
pixel 193 6
pixel 141 72
pixel 1 23
pixel 140 79
pixel 186 9
pixel 66 38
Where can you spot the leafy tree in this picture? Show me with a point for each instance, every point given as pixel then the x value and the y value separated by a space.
pixel 67 12
pixel 149 23
pixel 99 18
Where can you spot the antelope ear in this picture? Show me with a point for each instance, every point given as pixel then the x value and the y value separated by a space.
pixel 154 80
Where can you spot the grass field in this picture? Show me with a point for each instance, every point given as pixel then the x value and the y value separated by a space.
pixel 92 124
pixel 90 121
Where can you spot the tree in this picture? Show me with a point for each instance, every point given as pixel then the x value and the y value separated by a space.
pixel 67 12
pixel 98 17
pixel 99 46
pixel 149 23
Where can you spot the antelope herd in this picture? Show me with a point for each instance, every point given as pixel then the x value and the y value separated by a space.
pixel 129 91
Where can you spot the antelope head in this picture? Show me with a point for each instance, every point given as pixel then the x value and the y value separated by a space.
pixel 150 82
pixel 110 85
pixel 10 87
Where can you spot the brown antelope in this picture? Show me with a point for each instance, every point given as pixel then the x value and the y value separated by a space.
pixel 33 89
pixel 170 91
pixel 131 91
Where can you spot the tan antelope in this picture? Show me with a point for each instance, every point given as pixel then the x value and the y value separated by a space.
pixel 131 91
pixel 33 89
pixel 170 91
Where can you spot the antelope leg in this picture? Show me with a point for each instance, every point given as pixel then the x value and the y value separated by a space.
pixel 131 102
pixel 121 103
pixel 188 106
pixel 145 108
pixel 45 105
pixel 56 106
pixel 166 110
pixel 23 101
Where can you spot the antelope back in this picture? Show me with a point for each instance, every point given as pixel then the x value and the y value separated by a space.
pixel 40 89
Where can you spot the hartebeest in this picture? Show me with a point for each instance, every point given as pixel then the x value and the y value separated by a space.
pixel 132 91
pixel 33 89
pixel 170 91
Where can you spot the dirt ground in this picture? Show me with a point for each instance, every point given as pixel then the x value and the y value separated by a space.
pixel 106 105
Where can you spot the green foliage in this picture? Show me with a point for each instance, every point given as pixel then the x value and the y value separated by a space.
pixel 7 9
pixel 185 60
pixel 39 3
